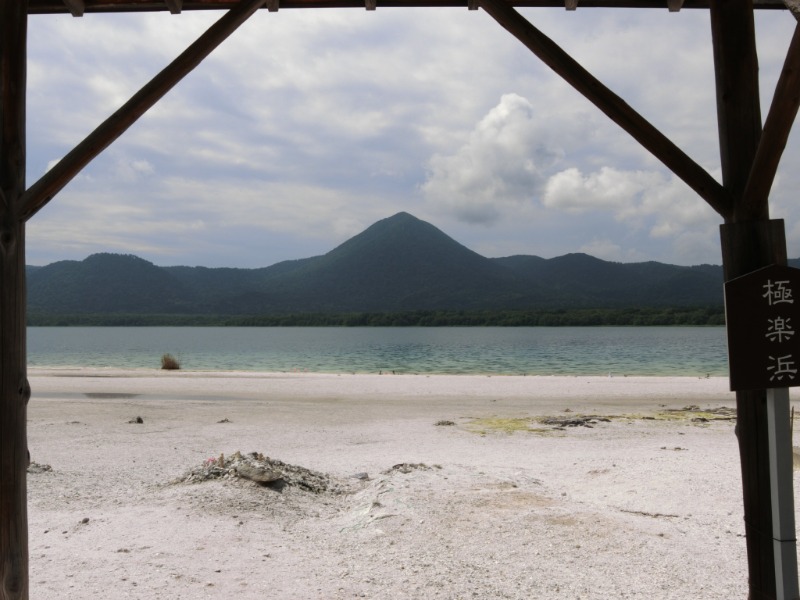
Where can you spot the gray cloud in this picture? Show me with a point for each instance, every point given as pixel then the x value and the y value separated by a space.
pixel 307 126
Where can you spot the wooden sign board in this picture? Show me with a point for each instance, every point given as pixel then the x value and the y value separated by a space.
pixel 762 313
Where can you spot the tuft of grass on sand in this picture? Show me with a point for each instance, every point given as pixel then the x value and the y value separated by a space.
pixel 509 425
pixel 170 363
pixel 694 414
pixel 548 425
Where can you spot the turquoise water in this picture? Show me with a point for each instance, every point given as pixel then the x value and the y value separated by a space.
pixel 679 351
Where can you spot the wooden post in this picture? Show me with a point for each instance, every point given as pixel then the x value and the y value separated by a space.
pixel 14 389
pixel 749 241
pixel 738 104
pixel 784 535
pixel 745 248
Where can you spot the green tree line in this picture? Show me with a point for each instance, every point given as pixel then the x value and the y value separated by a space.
pixel 419 318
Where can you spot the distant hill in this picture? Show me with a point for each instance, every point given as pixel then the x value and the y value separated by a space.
pixel 397 264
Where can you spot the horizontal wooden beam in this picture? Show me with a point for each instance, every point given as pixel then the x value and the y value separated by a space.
pixel 52 182
pixel 75 7
pixel 115 6
pixel 777 127
pixel 612 105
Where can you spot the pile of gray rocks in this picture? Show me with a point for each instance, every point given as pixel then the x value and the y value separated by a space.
pixel 264 471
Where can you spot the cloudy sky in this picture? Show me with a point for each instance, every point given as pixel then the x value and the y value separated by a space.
pixel 307 126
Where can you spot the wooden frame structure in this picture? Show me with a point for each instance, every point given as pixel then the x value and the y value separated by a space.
pixel 750 154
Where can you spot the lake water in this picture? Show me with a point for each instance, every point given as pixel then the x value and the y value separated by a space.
pixel 679 351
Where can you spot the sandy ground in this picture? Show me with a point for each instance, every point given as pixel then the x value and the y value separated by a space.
pixel 439 487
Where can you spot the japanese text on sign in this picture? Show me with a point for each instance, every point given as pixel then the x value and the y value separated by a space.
pixel 762 319
pixel 779 330
pixel 778 292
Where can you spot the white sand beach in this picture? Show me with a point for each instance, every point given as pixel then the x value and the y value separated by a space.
pixel 418 487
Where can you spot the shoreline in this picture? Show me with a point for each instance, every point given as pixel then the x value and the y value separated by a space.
pixel 396 372
pixel 544 390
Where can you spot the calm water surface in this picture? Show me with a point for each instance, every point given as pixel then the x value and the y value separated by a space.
pixel 681 351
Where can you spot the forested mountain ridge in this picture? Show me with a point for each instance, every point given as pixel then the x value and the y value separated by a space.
pixel 398 264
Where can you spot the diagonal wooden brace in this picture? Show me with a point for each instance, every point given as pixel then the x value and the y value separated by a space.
pixel 612 105
pixel 52 182
pixel 781 116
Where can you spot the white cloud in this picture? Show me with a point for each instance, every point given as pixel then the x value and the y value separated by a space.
pixel 500 167
pixel 606 189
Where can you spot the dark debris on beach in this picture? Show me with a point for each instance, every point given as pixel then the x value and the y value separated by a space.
pixel 264 471
pixel 577 421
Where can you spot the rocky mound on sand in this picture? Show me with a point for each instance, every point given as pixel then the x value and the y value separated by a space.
pixel 265 471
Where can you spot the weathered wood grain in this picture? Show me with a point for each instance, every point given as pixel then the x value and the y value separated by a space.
pixel 749 241
pixel 777 127
pixel 738 102
pixel 14 390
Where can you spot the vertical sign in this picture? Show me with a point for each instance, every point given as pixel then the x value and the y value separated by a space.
pixel 762 313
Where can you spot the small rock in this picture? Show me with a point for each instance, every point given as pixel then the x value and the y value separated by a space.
pixel 259 475
pixel 35 467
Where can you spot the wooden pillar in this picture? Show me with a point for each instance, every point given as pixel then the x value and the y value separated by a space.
pixel 14 389
pixel 738 103
pixel 749 241
pixel 745 248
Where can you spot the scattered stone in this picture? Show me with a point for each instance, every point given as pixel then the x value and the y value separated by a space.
pixel 137 420
pixel 38 468
pixel 259 474
pixel 84 520
pixel 224 421
pixel 655 515
pixel 409 467
pixel 360 476
pixel 444 423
